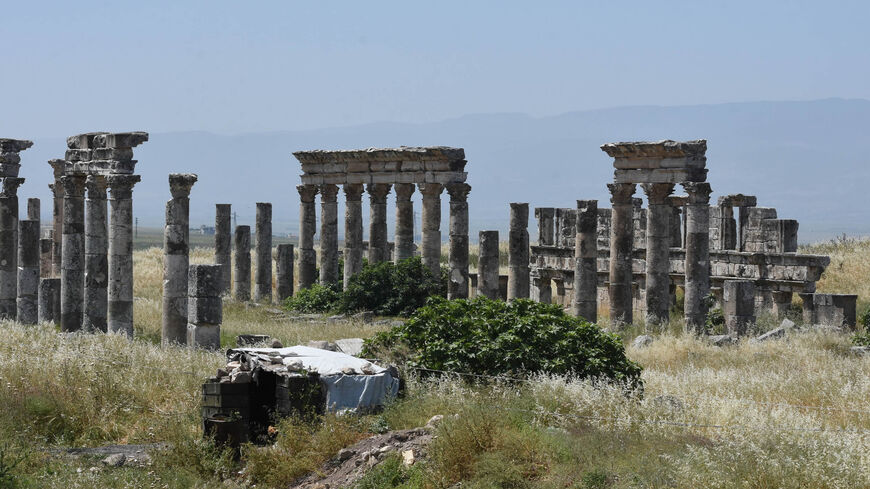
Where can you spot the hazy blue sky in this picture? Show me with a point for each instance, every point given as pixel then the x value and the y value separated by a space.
pixel 231 67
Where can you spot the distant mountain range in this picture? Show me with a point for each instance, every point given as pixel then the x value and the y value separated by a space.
pixel 810 160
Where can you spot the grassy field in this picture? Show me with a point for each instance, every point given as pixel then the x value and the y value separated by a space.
pixel 792 413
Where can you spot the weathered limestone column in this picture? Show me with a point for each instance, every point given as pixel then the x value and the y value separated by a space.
pixel 176 259
pixel 205 307
pixel 353 230
pixel 49 300
pixel 45 247
pixel 658 243
pixel 57 216
pixel 586 261
pixel 242 263
pixel 487 265
pixel 33 209
pixel 28 271
pixel 284 272
pixel 96 259
pixel 546 217
pixel 307 228
pixel 72 277
pixel 697 254
pixel 329 234
pixel 431 216
pixel 621 245
pixel 518 252
pixel 9 246
pixel 738 306
pixel 677 203
pixel 378 250
pixel 120 317
pixel 223 244
pixel 457 284
pixel 405 222
pixel 263 271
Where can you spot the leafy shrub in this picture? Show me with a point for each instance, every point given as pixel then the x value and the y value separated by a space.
pixel 484 336
pixel 314 299
pixel 715 321
pixel 864 318
pixel 389 289
pixel 862 338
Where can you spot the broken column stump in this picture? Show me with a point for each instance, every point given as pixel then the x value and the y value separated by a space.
pixel 204 306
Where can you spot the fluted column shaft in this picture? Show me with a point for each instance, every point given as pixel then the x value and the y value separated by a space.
pixel 404 221
pixel 697 269
pixel 176 259
pixel 658 242
pixel 518 252
pixel 431 228
pixel 307 228
pixel 72 277
pixel 621 244
pixel 353 230
pixel 223 244
pixel 329 234
pixel 96 259
pixel 263 271
pixel 120 316
pixel 378 247
pixel 457 260
pixel 586 261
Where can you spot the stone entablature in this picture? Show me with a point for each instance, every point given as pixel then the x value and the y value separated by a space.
pixel 435 164
pixel 102 153
pixel 658 162
pixel 10 160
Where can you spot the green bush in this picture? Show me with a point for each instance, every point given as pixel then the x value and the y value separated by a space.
pixel 864 318
pixel 315 299
pixel 389 289
pixel 489 337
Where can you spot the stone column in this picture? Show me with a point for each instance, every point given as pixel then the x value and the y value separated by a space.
pixel 57 166
pixel 242 261
pixel 697 269
pixel 223 244
pixel 263 271
pixel 738 304
pixel 546 217
pixel 431 227
pixel 658 243
pixel 284 269
pixel 329 234
pixel 205 308
pixel 9 246
pixel 307 228
pixel 45 248
pixel 353 230
pixel 96 259
pixel 621 245
pixel 487 265
pixel 378 250
pixel 28 271
pixel 72 277
pixel 49 300
pixel 405 221
pixel 33 209
pixel 120 317
pixel 518 252
pixel 457 284
pixel 586 261
pixel 176 259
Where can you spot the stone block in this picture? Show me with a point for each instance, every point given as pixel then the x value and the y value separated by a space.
pixel 204 336
pixel 204 281
pixel 205 310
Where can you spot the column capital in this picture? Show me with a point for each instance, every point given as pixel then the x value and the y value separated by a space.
pixel 10 186
pixel 404 191
pixel 180 184
pixel 57 166
pixel 73 185
pixel 328 192
pixel 621 193
pixel 378 191
pixel 353 192
pixel 699 192
pixel 458 191
pixel 657 193
pixel 430 190
pixel 96 187
pixel 121 186
pixel 307 193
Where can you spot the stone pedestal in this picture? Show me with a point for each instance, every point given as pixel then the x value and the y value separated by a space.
pixel 518 252
pixel 72 276
pixel 57 217
pixel 307 228
pixel 284 269
pixel 96 256
pixel 205 307
pixel 586 261
pixel 487 265
pixel 329 234
pixel 431 217
pixel 621 245
pixel 378 250
pixel 49 301
pixel 263 270
pixel 738 306
pixel 353 230
pixel 542 289
pixel 837 310
pixel 176 259
pixel 242 262
pixel 223 244
pixel 405 221
pixel 120 317
pixel 28 271
pixel 658 243
pixel 457 284
pixel 697 284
